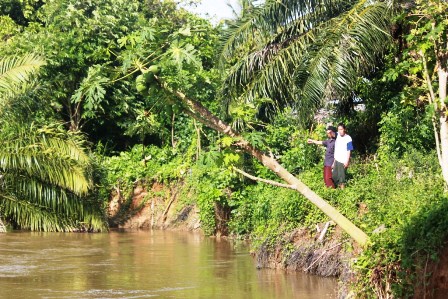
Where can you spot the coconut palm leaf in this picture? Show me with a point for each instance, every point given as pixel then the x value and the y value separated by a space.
pixel 44 173
pixel 53 198
pixel 48 155
pixel 15 71
pixel 32 216
pixel 43 201
pixel 304 52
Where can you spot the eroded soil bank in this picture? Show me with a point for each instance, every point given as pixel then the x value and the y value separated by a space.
pixel 152 206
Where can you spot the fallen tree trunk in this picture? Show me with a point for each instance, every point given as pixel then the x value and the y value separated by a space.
pixel 202 114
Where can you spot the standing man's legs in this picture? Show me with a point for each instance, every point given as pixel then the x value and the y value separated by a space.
pixel 339 174
pixel 328 177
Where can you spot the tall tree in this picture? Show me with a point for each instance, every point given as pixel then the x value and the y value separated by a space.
pixel 428 53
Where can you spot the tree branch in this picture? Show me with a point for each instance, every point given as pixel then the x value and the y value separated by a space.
pixel 274 183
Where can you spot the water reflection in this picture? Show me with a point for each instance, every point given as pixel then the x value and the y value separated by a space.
pixel 142 264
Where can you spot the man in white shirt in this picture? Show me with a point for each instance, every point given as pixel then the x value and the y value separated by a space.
pixel 342 151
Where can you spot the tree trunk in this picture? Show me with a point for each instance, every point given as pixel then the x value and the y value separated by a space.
pixel 198 141
pixel 2 227
pixel 203 115
pixel 172 131
pixel 443 74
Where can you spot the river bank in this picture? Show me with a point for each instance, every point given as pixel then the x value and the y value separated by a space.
pixel 322 252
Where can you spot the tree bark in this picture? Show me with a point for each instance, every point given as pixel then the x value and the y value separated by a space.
pixel 207 118
pixel 2 227
pixel 443 74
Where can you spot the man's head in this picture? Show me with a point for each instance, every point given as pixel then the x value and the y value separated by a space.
pixel 341 129
pixel 331 132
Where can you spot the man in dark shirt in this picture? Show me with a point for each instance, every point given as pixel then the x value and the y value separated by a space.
pixel 329 154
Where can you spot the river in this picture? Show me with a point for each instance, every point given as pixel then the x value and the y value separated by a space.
pixel 143 264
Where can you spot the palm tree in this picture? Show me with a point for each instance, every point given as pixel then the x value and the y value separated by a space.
pixel 303 53
pixel 306 52
pixel 43 171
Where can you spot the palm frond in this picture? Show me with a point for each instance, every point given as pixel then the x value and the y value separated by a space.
pixel 32 216
pixel 42 194
pixel 349 48
pixel 267 70
pixel 44 201
pixel 17 70
pixel 49 208
pixel 309 50
pixel 279 19
pixel 43 171
pixel 48 156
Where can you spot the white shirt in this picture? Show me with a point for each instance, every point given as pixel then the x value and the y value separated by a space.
pixel 341 148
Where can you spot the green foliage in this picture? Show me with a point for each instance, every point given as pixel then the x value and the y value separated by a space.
pixel 405 128
pixel 402 200
pixel 288 142
pixel 45 170
pixel 206 185
pixel 7 26
pixel 88 82
pixel 182 53
pixel 91 92
pixel 15 73
pixel 258 206
pixel 140 163
pixel 45 174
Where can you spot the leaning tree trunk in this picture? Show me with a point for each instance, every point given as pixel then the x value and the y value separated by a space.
pixel 202 114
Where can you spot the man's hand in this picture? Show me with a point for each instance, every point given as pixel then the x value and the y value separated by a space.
pixel 310 141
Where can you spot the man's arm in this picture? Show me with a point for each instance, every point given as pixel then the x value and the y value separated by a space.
pixel 348 159
pixel 349 152
pixel 318 142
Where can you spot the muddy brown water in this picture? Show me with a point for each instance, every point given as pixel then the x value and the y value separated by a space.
pixel 142 264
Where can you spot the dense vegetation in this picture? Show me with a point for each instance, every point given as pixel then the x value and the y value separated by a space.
pixel 88 104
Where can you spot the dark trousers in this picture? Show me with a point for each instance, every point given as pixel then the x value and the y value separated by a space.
pixel 339 173
pixel 328 177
